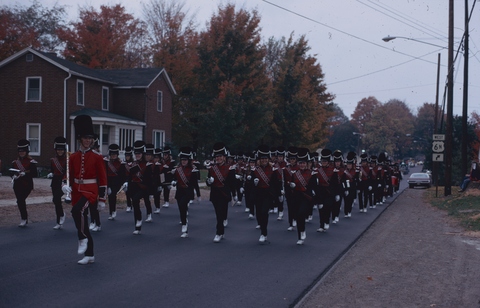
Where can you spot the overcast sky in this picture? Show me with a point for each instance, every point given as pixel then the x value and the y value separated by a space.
pixel 346 37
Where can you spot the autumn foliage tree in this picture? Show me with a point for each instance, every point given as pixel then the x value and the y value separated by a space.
pixel 34 26
pixel 300 98
pixel 107 39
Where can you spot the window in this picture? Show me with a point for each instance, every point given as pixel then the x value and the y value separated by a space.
pixel 80 93
pixel 33 135
pixel 158 138
pixel 126 137
pixel 159 101
pixel 104 98
pixel 29 57
pixel 34 89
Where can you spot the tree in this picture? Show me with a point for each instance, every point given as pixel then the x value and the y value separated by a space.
pixel 108 39
pixel 174 41
pixel 301 109
pixel 34 26
pixel 363 112
pixel 232 103
pixel 343 139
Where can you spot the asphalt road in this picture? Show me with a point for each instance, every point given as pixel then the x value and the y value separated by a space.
pixel 38 265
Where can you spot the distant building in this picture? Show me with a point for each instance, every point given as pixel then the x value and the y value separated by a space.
pixel 41 94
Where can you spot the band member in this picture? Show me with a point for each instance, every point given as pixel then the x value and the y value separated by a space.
pixel 157 183
pixel 280 166
pixel 375 181
pixel 87 184
pixel 116 175
pixel 149 175
pixel 249 187
pixel 267 188
pixel 197 164
pixel 304 186
pixel 221 180
pixel 239 177
pixel 327 189
pixel 185 178
pixel 289 170
pixel 24 169
pixel 58 169
pixel 168 165
pixel 128 160
pixel 365 184
pixel 139 184
pixel 349 183
pixel 95 224
pixel 336 181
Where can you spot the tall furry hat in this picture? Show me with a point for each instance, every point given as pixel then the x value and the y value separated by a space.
pixel 83 126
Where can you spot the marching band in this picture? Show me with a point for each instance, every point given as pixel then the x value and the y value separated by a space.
pixel 268 180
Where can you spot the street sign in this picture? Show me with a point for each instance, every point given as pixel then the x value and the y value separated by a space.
pixel 438 137
pixel 437 157
pixel 438 146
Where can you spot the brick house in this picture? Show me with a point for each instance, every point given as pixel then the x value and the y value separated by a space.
pixel 41 94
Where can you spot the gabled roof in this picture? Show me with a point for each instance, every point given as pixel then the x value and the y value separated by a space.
pixel 101 115
pixel 121 78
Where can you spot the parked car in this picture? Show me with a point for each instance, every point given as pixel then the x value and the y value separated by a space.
pixel 419 179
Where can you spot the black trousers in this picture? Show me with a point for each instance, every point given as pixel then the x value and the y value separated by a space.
pixel 57 194
pixel 326 210
pixel 80 217
pixel 182 202
pixel 263 203
pixel 21 194
pixel 221 212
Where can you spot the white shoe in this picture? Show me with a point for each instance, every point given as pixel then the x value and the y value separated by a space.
pixel 275 210
pixel 294 223
pixel 334 221
pixel 257 227
pixel 97 229
pixel 290 228
pixel 280 216
pixel 320 230
pixel 217 238
pixel 270 211
pixel 137 232
pixel 58 227
pixel 114 214
pixel 315 207
pixel 262 239
pixel 365 210
pixel 184 228
pixel 184 235
pixel 166 204
pixel 23 223
pixel 82 246
pixel 247 210
pixel 129 209
pixel 250 216
pixel 349 215
pixel 239 203
pixel 110 217
pixel 374 206
pixel 92 225
pixel 300 242
pixel 327 226
pixel 138 224
pixel 157 211
pixel 303 235
pixel 225 222
pixel 62 219
pixel 337 219
pixel 310 218
pixel 149 218
pixel 361 210
pixel 86 260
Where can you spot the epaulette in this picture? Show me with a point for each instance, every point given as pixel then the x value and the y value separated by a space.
pixel 232 167
pixel 195 169
pixel 149 164
pixel 33 161
pixel 106 159
pixel 314 172
pixel 274 168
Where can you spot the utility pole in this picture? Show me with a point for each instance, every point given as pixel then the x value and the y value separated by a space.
pixel 465 96
pixel 449 120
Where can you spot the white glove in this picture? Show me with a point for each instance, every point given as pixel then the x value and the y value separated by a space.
pixel 21 174
pixel 101 205
pixel 50 175
pixel 337 198
pixel 235 198
pixel 379 185
pixel 255 181
pixel 313 193
pixel 66 189
pixel 292 185
pixel 238 176
pixel 386 186
pixel 174 183
pixel 159 189
pixel 249 177
pixel 346 193
pixel 125 186
pixel 242 190
pixel 109 191
pixel 320 206
pixel 282 192
pixel 369 187
pixel 280 198
pixel 210 180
